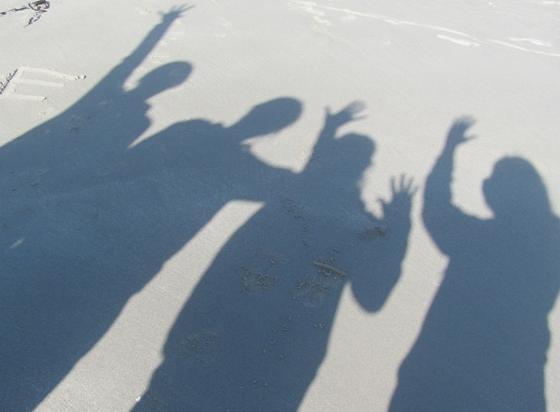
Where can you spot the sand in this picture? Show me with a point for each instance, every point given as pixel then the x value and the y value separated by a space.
pixel 116 202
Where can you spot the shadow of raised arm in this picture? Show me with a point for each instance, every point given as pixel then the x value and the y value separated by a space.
pixel 116 78
pixel 442 219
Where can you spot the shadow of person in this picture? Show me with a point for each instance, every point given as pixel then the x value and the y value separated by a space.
pixel 95 129
pixel 210 161
pixel 484 341
pixel 62 283
pixel 88 219
pixel 255 329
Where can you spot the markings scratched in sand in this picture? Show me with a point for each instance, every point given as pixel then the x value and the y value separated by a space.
pixel 469 40
pixel 520 48
pixel 314 8
pixel 535 42
pixel 25 76
pixel 460 42
pixel 38 7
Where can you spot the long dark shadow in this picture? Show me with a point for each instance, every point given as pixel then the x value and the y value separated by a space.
pixel 484 341
pixel 87 220
pixel 64 227
pixel 256 327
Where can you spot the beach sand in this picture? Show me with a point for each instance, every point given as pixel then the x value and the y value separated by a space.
pixel 120 192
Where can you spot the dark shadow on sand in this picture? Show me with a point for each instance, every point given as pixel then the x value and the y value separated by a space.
pixel 255 329
pixel 87 220
pixel 484 341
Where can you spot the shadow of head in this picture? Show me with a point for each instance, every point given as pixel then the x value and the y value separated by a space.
pixel 164 77
pixel 516 189
pixel 268 117
pixel 349 157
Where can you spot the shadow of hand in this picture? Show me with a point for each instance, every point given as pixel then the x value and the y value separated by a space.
pixel 174 13
pixel 400 204
pixel 457 133
pixel 348 114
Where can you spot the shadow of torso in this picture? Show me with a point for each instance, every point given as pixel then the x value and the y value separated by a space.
pixel 86 223
pixel 256 327
pixel 483 344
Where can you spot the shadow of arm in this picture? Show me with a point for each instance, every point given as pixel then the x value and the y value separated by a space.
pixel 446 223
pixel 386 252
pixel 120 73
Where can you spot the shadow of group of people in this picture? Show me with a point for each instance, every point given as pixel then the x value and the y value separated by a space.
pixel 88 219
